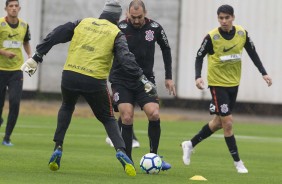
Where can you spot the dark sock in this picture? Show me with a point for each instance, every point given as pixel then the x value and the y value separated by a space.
pixel 126 133
pixel 203 134
pixel 120 125
pixel 154 133
pixel 57 144
pixel 231 144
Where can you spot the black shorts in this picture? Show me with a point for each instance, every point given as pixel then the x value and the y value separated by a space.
pixel 223 100
pixel 121 94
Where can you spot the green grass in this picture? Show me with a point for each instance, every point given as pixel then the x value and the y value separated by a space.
pixel 87 159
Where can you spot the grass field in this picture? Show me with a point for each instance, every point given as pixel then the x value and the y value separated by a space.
pixel 87 159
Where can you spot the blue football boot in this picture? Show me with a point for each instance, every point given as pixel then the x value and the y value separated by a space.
pixel 165 166
pixel 126 163
pixel 54 163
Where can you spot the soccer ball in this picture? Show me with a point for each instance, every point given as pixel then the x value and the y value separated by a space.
pixel 151 163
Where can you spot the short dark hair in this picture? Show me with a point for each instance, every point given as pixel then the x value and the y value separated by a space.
pixel 137 3
pixel 225 9
pixel 8 1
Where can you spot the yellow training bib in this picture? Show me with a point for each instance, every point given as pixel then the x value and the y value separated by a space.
pixel 91 49
pixel 224 66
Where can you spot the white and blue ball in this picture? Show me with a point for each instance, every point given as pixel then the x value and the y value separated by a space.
pixel 151 163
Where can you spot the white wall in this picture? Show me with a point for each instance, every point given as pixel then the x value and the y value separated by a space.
pixel 60 12
pixel 262 20
pixel 31 13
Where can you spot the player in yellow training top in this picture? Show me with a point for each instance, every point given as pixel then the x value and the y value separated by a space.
pixel 14 33
pixel 94 42
pixel 224 46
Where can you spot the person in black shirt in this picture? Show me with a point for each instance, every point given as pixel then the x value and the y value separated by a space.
pixel 224 46
pixel 142 34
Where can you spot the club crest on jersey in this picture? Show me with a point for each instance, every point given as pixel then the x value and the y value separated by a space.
pixel 216 37
pixel 154 24
pixel 123 26
pixel 241 33
pixel 23 24
pixel 149 35
pixel 116 97
pixel 3 24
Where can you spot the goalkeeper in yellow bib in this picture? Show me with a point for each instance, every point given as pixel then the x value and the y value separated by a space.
pixel 93 44
pixel 224 46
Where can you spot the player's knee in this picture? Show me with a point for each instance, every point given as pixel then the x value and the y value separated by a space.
pixel 216 127
pixel 215 124
pixel 127 119
pixel 154 115
pixel 227 125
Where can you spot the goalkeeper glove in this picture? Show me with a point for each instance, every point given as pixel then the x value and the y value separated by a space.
pixel 30 66
pixel 149 87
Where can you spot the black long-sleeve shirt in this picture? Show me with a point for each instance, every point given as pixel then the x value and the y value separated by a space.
pixel 207 48
pixel 141 42
pixel 64 33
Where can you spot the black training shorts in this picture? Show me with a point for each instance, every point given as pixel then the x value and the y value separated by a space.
pixel 223 100
pixel 122 94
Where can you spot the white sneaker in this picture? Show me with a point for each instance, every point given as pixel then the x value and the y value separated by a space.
pixel 135 143
pixel 187 151
pixel 240 167
pixel 109 141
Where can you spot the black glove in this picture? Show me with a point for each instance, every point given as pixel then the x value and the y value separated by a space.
pixel 149 87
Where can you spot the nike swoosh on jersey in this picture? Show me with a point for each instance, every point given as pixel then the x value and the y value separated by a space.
pixel 226 50
pixel 11 36
pixel 96 24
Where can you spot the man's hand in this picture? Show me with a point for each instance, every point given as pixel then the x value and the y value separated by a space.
pixel 267 79
pixel 169 84
pixel 200 83
pixel 30 66
pixel 8 54
pixel 149 87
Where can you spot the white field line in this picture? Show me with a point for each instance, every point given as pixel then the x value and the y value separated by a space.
pixel 143 132
pixel 252 138
pixel 216 136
